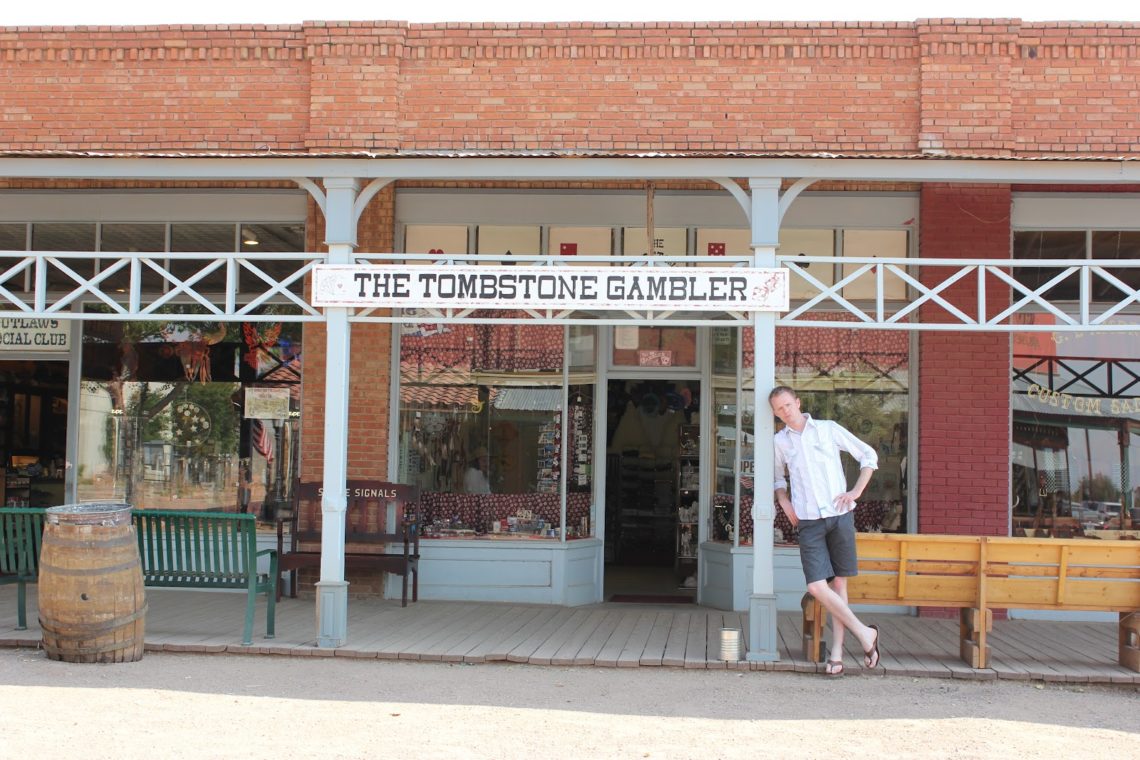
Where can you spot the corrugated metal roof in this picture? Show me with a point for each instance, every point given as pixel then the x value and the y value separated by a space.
pixel 446 396
pixel 405 154
pixel 528 399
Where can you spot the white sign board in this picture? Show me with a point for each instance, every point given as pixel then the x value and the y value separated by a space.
pixel 267 403
pixel 34 335
pixel 508 287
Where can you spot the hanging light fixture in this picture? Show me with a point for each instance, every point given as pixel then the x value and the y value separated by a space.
pixel 249 238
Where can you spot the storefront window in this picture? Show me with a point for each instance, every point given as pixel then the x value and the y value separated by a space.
pixel 13 237
pixel 481 430
pixel 655 347
pixel 730 433
pixel 860 379
pixel 1104 245
pixel 1076 422
pixel 131 238
pixel 65 237
pixel 190 415
pixel 583 360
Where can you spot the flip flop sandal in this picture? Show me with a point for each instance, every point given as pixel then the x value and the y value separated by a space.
pixel 871 656
pixel 834 668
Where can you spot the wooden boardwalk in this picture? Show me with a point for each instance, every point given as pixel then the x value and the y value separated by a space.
pixel 604 635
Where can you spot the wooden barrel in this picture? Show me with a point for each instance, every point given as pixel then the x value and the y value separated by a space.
pixel 92 600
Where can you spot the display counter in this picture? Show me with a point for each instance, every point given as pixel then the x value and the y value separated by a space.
pixel 525 515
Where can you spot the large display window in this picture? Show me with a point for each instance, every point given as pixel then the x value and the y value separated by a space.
pixel 858 378
pixel 491 417
pixel 1075 461
pixel 178 414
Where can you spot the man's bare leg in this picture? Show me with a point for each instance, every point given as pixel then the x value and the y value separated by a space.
pixel 835 654
pixel 841 614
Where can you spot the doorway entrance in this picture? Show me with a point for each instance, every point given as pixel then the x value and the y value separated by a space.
pixel 652 490
pixel 33 432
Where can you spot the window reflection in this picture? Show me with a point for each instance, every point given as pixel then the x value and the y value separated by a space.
pixel 1076 411
pixel 858 378
pixel 481 429
pixel 190 415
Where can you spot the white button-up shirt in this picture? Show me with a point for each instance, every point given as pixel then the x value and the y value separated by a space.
pixel 812 461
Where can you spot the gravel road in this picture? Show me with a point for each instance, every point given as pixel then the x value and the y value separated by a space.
pixel 201 706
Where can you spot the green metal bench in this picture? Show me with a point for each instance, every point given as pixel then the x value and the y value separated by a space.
pixel 21 530
pixel 211 550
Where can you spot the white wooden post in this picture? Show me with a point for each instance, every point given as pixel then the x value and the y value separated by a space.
pixel 763 640
pixel 332 589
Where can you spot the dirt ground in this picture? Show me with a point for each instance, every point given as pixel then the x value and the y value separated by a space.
pixel 203 706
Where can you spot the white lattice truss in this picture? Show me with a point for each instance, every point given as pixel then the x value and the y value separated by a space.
pixel 239 287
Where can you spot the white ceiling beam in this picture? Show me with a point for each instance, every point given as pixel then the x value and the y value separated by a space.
pixel 1069 171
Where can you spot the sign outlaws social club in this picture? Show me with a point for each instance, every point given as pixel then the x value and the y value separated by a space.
pixel 516 287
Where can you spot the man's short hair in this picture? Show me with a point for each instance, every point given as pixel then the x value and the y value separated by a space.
pixel 781 389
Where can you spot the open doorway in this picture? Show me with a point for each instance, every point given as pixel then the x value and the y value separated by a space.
pixel 33 432
pixel 652 490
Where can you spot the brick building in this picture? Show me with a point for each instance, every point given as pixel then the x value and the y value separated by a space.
pixel 959 195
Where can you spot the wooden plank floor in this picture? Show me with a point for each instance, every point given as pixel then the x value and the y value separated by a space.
pixel 604 635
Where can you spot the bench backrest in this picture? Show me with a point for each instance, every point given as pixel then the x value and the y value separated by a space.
pixel 1053 573
pixel 367 518
pixel 916 570
pixel 996 572
pixel 21 534
pixel 201 548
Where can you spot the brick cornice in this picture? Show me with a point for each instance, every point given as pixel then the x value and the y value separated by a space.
pixel 744 40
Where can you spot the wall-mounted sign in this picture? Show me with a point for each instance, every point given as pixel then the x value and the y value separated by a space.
pixel 34 335
pixel 267 403
pixel 654 358
pixel 464 287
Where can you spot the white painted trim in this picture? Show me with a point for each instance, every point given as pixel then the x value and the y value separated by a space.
pixel 1068 171
pixel 612 208
pixel 1075 211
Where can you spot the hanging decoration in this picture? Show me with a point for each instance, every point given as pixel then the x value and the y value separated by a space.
pixel 259 339
pixel 192 347
pixel 191 423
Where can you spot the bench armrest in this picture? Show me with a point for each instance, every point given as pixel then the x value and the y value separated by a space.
pixel 272 563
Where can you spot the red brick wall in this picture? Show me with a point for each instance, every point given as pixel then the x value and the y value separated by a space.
pixel 670 86
pixel 1075 88
pixel 964 378
pixel 966 92
pixel 154 88
pixel 992 86
pixel 354 80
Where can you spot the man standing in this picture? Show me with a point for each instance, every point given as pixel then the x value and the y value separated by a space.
pixel 823 509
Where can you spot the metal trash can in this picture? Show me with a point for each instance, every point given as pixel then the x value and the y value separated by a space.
pixel 91 596
pixel 731 644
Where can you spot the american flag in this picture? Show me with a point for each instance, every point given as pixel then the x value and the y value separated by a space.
pixel 262 439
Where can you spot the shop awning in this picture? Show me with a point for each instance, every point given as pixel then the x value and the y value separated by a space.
pixel 528 399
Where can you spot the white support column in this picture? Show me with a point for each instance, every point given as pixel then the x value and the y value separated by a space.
pixel 763 639
pixel 332 589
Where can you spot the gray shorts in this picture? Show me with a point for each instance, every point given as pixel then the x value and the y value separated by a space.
pixel 827 548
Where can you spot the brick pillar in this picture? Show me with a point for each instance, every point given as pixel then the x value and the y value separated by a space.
pixel 964 424
pixel 966 75
pixel 354 84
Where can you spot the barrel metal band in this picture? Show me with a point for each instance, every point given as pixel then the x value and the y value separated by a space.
pixel 91 630
pixel 90 570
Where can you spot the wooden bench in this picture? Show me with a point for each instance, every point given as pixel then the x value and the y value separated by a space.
pixel 210 550
pixel 21 530
pixel 369 544
pixel 977 574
